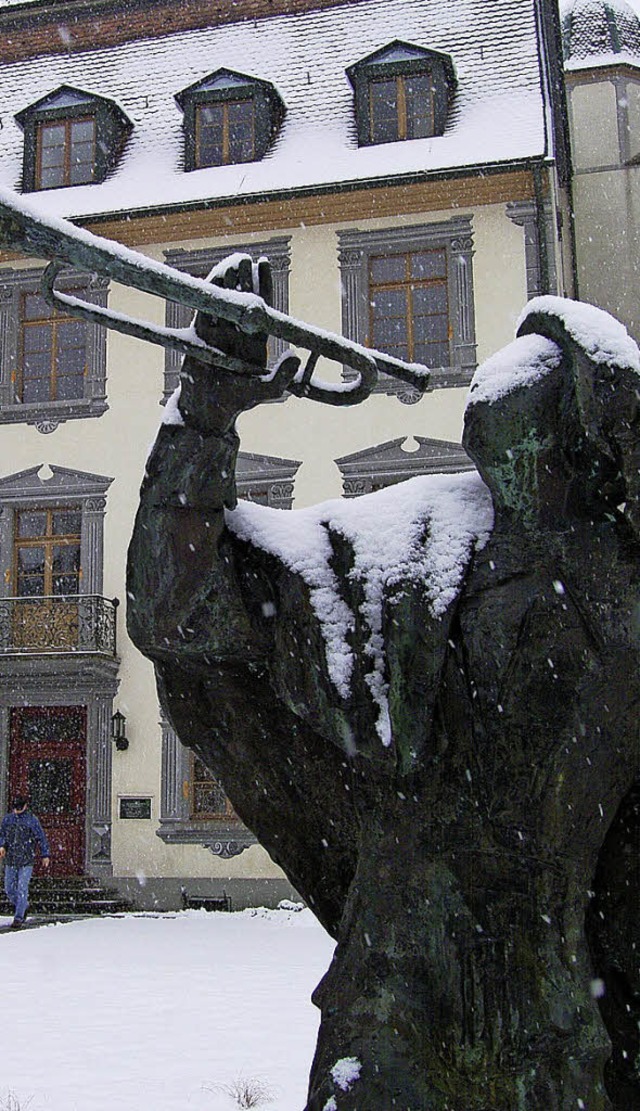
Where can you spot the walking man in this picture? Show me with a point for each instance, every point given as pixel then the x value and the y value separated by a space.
pixel 20 832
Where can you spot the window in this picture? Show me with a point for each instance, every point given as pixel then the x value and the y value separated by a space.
pixel 52 366
pixel 400 108
pixel 201 263
pixel 409 307
pixel 47 552
pixel 225 132
pixel 46 562
pixel 208 799
pixel 229 118
pixel 53 353
pixel 71 138
pixel 409 292
pixel 51 544
pixel 65 153
pixel 401 92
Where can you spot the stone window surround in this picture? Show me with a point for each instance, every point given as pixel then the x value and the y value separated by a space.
pixel 525 214
pixel 386 464
pixel 354 250
pixel 269 108
pixel 223 838
pixel 266 479
pixel 72 680
pixel 26 490
pixel 46 416
pixel 199 263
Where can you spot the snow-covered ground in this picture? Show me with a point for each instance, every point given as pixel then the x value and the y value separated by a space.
pixel 160 1013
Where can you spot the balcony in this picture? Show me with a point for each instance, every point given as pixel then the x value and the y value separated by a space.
pixel 61 624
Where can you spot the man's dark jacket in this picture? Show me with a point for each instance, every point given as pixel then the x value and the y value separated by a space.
pixel 19 835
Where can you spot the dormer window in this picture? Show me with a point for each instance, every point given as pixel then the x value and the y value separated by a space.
pixel 229 118
pixel 401 92
pixel 225 132
pixel 65 153
pixel 71 138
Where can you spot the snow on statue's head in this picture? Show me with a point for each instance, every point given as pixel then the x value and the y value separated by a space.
pixel 553 421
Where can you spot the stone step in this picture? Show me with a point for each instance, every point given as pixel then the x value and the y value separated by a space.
pixel 71 895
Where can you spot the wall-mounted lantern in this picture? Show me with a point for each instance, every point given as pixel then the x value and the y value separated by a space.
pixel 118 733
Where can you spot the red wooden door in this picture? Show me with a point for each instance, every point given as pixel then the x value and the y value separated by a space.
pixel 48 763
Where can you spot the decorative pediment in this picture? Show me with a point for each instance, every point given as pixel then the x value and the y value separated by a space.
pixel 46 483
pixel 394 461
pixel 266 479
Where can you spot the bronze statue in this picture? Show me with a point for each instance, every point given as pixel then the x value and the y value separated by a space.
pixel 460 857
pixel 436 739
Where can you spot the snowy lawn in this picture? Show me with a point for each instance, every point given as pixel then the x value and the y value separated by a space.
pixel 160 1013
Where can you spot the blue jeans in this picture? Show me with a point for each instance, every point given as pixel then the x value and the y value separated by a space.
pixel 16 885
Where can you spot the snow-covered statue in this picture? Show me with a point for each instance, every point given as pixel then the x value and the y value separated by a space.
pixel 425 703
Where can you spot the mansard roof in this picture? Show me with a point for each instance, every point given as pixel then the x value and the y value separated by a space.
pixel 496 117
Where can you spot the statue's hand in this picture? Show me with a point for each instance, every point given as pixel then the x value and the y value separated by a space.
pixel 210 397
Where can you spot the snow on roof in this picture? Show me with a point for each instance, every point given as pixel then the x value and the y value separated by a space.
pixel 599 33
pixel 420 531
pixel 497 114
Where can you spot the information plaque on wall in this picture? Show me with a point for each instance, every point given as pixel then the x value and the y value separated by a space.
pixel 135 808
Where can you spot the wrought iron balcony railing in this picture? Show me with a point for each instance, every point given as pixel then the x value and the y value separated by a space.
pixel 58 623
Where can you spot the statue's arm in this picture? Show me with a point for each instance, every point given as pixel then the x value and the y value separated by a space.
pixel 181 557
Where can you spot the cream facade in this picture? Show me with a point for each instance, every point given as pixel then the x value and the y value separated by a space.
pixel 147 819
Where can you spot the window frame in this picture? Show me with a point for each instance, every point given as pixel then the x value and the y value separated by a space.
pixel 225 104
pixel 455 237
pixel 68 105
pixel 66 123
pixel 224 86
pixel 402 110
pixel 228 815
pixel 47 415
pixel 388 63
pixel 49 541
pixel 77 491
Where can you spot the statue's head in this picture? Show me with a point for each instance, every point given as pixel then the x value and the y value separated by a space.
pixel 553 420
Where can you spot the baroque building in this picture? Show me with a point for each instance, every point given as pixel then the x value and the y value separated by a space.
pixel 406 167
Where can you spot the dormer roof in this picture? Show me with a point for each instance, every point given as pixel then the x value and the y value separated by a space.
pixel 399 51
pixel 68 98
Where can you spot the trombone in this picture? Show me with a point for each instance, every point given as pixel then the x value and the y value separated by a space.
pixel 24 228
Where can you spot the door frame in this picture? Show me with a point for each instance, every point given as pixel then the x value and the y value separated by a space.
pixel 65 832
pixel 92 683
